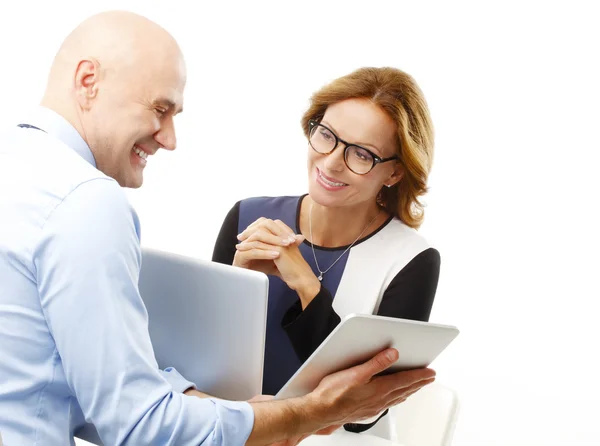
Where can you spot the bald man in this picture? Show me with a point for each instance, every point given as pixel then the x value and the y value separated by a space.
pixel 74 344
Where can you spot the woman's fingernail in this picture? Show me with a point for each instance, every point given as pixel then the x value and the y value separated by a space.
pixel 292 239
pixel 285 241
pixel 274 254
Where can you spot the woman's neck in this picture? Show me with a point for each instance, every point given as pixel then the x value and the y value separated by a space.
pixel 335 227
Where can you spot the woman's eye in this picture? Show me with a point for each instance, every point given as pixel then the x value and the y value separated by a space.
pixel 361 156
pixel 326 135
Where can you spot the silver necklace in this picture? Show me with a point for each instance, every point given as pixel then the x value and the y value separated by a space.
pixel 322 273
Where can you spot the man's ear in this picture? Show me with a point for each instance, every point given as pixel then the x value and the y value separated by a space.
pixel 86 82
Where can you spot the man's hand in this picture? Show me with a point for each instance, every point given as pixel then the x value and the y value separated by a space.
pixel 349 396
pixel 356 394
pixel 293 441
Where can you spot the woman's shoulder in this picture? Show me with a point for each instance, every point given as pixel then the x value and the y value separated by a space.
pixel 396 232
pixel 283 208
pixel 396 242
pixel 270 201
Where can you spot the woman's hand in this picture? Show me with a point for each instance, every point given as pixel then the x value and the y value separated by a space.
pixel 259 245
pixel 297 274
pixel 256 259
pixel 274 227
pixel 272 247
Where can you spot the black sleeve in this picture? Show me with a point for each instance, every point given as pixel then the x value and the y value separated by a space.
pixel 308 329
pixel 224 249
pixel 410 295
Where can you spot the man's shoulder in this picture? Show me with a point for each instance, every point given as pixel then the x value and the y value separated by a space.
pixel 58 170
pixel 77 169
pixel 44 172
pixel 88 189
pixel 97 207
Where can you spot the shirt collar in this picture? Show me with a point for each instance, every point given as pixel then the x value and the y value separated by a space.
pixel 55 125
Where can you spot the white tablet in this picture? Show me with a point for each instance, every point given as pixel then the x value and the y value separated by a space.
pixel 359 337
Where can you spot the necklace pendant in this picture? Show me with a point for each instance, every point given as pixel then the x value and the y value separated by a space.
pixel 320 277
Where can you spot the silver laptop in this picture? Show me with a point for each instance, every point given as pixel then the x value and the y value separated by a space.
pixel 207 320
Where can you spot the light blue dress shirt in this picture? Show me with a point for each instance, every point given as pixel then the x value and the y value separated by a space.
pixel 74 342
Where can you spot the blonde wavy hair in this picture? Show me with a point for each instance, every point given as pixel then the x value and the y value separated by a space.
pixel 400 97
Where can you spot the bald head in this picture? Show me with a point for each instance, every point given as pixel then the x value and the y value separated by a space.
pixel 118 78
pixel 120 42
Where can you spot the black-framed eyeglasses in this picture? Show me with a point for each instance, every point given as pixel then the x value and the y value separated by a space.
pixel 358 159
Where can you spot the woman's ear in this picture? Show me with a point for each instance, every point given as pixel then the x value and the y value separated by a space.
pixel 395 177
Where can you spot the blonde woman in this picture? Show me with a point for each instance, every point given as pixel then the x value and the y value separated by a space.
pixel 350 245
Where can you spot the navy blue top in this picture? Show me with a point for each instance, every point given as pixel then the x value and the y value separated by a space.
pixel 293 334
pixel 281 361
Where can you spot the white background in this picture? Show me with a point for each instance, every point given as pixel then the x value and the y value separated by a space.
pixel 513 91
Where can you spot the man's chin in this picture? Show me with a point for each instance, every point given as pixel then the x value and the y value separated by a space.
pixel 133 182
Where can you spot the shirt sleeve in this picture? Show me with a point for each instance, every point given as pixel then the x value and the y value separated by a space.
pixel 224 250
pixel 87 266
pixel 177 381
pixel 410 295
pixel 308 329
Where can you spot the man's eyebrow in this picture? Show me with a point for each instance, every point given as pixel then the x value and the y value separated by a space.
pixel 168 103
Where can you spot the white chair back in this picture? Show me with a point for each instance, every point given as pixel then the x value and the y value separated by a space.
pixel 427 418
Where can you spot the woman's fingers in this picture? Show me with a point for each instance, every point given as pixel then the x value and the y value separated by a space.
pixel 250 229
pixel 258 254
pixel 262 235
pixel 255 244
pixel 277 228
pixel 285 229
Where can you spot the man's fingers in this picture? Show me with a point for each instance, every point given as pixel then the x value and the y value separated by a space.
pixel 402 380
pixel 403 396
pixel 395 397
pixel 328 430
pixel 411 390
pixel 377 364
pixel 302 438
